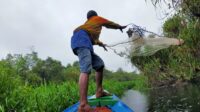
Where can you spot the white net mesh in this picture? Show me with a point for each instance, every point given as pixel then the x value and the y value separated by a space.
pixel 140 45
pixel 148 46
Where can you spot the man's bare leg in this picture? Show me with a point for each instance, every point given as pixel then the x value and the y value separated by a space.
pixel 83 89
pixel 99 80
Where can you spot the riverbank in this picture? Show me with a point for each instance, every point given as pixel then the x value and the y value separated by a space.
pixel 53 97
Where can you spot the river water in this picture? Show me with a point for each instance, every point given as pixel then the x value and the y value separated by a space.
pixel 169 99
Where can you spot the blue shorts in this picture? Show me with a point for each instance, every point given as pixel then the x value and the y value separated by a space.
pixel 88 60
pixel 81 39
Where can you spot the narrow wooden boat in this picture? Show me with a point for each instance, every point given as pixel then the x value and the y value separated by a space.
pixel 103 104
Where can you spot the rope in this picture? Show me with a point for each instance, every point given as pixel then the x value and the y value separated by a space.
pixel 139 29
pixel 121 43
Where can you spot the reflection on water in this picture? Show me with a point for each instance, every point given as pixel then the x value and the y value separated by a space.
pixel 135 100
pixel 173 99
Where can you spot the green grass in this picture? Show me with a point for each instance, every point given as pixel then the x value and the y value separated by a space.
pixel 52 97
pixel 18 94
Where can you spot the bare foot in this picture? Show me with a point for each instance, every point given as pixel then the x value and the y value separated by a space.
pixel 101 93
pixel 85 108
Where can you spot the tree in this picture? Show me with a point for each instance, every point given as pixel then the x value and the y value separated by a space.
pixel 175 63
pixel 188 7
pixel 49 70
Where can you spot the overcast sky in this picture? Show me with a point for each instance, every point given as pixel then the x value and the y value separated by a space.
pixel 48 26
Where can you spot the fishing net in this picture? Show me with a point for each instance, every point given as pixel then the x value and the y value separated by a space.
pixel 142 43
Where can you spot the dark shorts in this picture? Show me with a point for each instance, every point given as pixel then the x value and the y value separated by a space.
pixel 88 60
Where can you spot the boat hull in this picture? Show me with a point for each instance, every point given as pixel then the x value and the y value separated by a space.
pixel 111 102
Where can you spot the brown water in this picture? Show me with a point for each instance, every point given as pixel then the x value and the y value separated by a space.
pixel 171 99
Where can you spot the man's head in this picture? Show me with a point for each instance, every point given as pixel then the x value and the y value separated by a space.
pixel 91 13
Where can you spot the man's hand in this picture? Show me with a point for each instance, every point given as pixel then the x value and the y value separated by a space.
pixel 104 46
pixel 121 28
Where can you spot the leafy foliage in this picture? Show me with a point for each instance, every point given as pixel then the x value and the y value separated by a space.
pixel 28 83
pixel 188 7
pixel 178 62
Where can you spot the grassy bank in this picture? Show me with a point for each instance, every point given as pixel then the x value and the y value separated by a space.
pixel 28 83
pixel 53 97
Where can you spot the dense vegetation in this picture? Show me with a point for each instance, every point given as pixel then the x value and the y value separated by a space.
pixel 178 63
pixel 28 83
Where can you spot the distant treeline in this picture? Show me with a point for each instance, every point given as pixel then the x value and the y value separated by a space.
pixel 34 71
